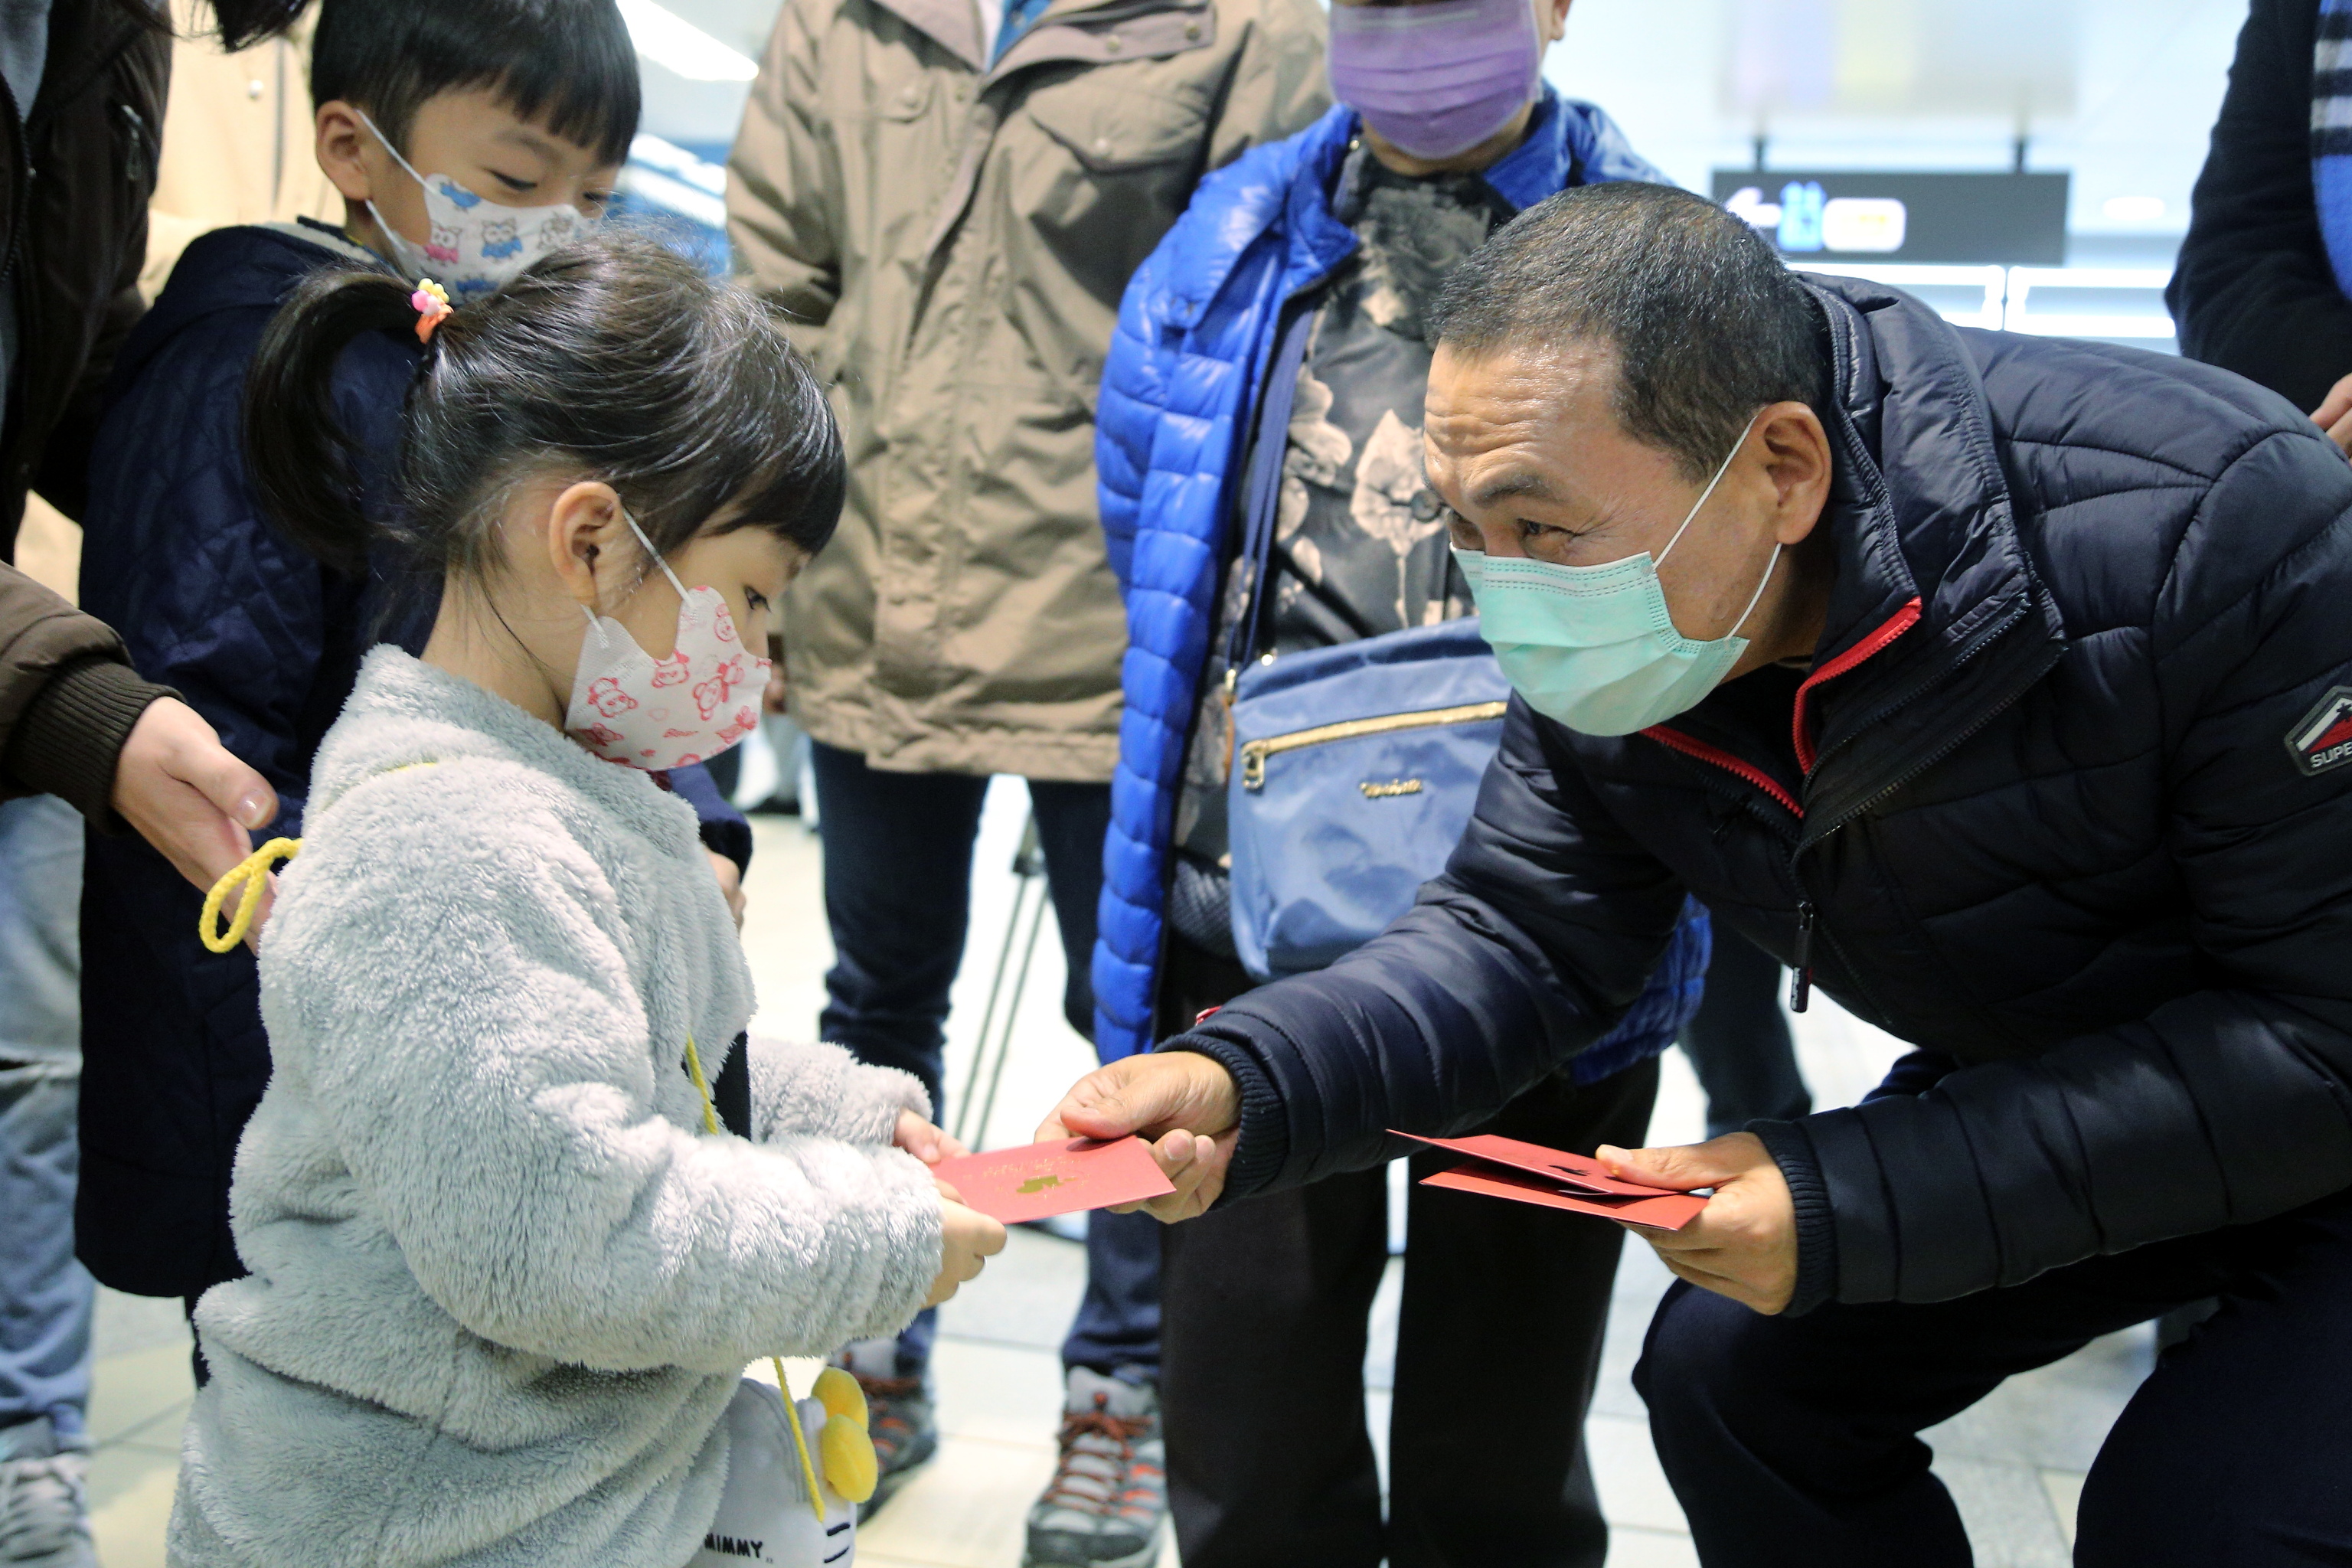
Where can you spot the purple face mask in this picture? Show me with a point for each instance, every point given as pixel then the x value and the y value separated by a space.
pixel 1435 80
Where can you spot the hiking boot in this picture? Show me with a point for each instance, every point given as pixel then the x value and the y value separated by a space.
pixel 1103 1507
pixel 43 1500
pixel 899 1419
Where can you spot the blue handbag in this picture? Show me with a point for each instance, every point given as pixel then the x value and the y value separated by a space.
pixel 1354 768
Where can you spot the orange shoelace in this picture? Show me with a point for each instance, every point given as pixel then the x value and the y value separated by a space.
pixel 1072 1486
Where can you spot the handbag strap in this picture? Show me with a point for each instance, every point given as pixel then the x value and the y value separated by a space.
pixel 1262 498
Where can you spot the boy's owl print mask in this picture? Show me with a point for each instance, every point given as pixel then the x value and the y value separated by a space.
pixel 476 245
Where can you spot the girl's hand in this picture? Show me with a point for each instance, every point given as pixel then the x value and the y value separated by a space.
pixel 2333 414
pixel 968 1238
pixel 730 884
pixel 925 1141
pixel 777 698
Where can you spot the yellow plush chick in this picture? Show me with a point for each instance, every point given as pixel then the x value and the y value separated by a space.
pixel 850 1468
pixel 839 1394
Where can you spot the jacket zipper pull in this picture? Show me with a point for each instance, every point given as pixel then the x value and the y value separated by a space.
pixel 1801 975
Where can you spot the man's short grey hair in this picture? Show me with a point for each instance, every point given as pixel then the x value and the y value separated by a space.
pixel 1706 324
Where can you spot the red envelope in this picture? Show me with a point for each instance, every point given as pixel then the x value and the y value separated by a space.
pixel 1531 1173
pixel 1667 1211
pixel 1064 1176
pixel 1576 1171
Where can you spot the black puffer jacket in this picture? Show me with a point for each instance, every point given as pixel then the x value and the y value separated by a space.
pixel 2068 799
pixel 2253 289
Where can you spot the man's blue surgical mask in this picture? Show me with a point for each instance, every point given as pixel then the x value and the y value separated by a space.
pixel 1595 646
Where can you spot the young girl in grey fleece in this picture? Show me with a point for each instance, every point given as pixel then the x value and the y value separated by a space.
pixel 503 1283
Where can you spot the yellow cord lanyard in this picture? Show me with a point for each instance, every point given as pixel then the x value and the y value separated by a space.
pixel 792 1411
pixel 251 874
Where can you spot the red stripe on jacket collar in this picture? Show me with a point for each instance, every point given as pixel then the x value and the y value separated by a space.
pixel 1901 621
pixel 1675 740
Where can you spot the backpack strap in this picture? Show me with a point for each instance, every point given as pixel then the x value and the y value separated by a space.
pixel 1263 497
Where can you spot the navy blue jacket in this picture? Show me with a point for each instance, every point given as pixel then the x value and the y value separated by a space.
pixel 1180 386
pixel 2253 289
pixel 265 643
pixel 2067 799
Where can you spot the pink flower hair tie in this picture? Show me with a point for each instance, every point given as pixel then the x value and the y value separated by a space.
pixel 431 302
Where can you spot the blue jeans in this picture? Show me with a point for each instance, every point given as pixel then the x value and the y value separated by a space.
pixel 45 1296
pixel 898 894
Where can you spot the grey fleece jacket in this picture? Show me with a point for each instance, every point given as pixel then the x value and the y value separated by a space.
pixel 503 1284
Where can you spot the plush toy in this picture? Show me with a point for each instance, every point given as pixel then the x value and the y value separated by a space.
pixel 765 1515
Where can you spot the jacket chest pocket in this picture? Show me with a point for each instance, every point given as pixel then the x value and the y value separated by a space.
pixel 898 147
pixel 1100 169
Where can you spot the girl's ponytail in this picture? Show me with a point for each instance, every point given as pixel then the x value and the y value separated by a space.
pixel 243 23
pixel 616 358
pixel 302 464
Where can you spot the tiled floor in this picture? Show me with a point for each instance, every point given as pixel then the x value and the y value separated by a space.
pixel 2015 1463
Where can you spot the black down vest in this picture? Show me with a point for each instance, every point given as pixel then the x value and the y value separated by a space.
pixel 2067 799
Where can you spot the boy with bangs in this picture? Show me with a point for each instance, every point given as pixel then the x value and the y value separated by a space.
pixel 467 137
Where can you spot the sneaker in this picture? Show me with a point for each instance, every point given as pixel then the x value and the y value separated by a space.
pixel 1105 1504
pixel 43 1500
pixel 899 1419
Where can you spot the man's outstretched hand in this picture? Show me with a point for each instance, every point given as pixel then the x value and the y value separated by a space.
pixel 1182 1102
pixel 187 794
pixel 1743 1244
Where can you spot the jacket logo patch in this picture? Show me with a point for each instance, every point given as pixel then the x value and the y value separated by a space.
pixel 2322 740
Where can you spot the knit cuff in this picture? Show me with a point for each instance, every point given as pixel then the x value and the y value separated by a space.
pixel 1817 1270
pixel 1263 1146
pixel 68 739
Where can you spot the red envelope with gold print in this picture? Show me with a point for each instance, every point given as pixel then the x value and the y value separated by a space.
pixel 1531 1173
pixel 1064 1176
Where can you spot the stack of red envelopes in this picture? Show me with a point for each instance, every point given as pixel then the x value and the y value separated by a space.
pixel 1531 1173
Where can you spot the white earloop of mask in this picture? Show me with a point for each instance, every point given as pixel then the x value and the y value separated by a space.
pixel 652 555
pixel 1692 516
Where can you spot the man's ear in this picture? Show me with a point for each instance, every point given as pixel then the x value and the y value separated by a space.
pixel 1557 14
pixel 344 144
pixel 1797 457
pixel 585 534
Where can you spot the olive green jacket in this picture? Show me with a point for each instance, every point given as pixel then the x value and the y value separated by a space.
pixel 953 238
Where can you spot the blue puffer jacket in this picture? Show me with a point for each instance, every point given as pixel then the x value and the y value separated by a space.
pixel 1194 333
pixel 265 643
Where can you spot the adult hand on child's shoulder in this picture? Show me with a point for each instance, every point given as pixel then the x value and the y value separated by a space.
pixel 189 795
pixel 730 884
pixel 1184 1104
pixel 968 1239
pixel 925 1141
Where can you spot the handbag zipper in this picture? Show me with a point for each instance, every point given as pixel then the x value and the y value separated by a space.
pixel 1253 753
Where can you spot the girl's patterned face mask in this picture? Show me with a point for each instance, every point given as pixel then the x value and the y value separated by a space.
pixel 654 713
pixel 473 245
